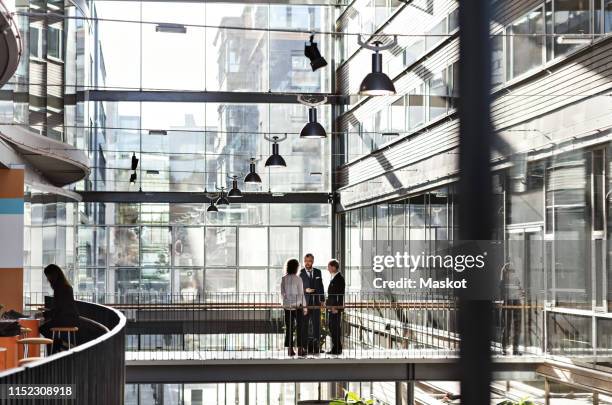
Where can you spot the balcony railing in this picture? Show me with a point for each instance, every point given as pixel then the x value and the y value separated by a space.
pixel 94 370
pixel 252 325
pixel 228 325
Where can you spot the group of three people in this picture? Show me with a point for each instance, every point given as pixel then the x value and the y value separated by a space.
pixel 303 298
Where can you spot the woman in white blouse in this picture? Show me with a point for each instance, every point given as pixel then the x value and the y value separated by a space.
pixel 294 303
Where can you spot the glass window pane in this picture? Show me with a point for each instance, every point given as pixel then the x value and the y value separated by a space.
pixel 220 246
pixel 253 280
pixel 275 275
pixel 318 242
pixel 155 246
pixel 438 93
pixel 284 244
pixel 253 246
pixel 398 116
pixel 124 280
pixel 526 51
pixel 188 246
pixel 91 246
pixel 165 50
pixel 416 107
pixel 122 63
pixel 124 246
pixel 155 280
pixel 190 283
pixel 54 42
pixel 571 17
pixel 220 280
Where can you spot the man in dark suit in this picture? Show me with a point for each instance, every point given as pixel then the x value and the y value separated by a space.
pixel 315 296
pixel 335 305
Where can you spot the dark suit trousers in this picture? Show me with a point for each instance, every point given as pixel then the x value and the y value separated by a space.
pixel 313 318
pixel 335 331
pixel 293 321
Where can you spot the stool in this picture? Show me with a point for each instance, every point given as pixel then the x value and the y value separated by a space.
pixel 32 341
pixel 70 332
pixel 25 332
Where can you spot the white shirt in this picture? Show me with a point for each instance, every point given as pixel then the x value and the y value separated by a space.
pixel 292 291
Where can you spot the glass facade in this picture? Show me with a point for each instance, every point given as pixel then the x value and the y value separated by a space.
pixel 551 218
pixel 179 249
pixel 190 147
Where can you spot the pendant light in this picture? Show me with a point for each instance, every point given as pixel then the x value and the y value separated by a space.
pixel 313 130
pixel 275 159
pixel 212 207
pixel 252 177
pixel 377 83
pixel 234 192
pixel 222 200
pixel 311 51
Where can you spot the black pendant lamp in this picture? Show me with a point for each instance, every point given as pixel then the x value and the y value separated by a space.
pixel 234 192
pixel 222 200
pixel 275 159
pixel 252 177
pixel 377 83
pixel 212 207
pixel 313 129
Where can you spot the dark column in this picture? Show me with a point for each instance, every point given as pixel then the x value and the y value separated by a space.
pixel 475 200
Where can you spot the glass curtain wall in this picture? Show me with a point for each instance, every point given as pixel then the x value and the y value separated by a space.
pixel 197 146
pixel 167 47
pixel 554 216
pixel 49 237
pixel 180 249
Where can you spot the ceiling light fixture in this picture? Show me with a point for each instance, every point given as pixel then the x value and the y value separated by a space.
pixel 222 200
pixel 158 132
pixel 212 207
pixel 252 177
pixel 171 28
pixel 377 83
pixel 234 192
pixel 312 130
pixel 275 159
pixel 573 40
pixel 311 51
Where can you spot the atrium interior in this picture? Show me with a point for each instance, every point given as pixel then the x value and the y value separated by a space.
pixel 440 169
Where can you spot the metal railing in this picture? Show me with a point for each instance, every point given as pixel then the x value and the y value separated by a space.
pixel 230 325
pixel 95 370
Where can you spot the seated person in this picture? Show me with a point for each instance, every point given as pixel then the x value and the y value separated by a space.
pixel 64 312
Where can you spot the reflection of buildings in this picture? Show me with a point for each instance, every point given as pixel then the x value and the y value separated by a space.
pixel 551 178
pixel 189 164
pixel 254 61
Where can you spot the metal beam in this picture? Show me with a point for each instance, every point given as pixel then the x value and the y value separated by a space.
pixel 201 96
pixel 312 370
pixel 199 198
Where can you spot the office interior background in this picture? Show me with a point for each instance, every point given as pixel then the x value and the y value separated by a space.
pixel 194 91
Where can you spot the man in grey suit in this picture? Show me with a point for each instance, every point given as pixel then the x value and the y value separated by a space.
pixel 315 296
